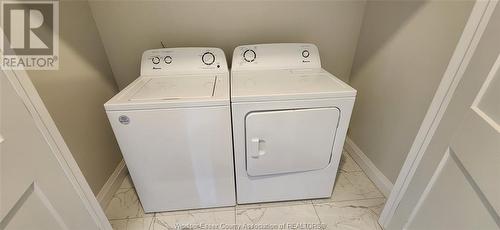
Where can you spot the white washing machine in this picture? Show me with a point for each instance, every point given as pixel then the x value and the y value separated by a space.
pixel 290 119
pixel 173 126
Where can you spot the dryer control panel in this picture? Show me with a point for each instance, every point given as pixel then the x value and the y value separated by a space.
pixel 183 60
pixel 276 56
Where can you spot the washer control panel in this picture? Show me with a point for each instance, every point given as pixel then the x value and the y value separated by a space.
pixel 276 56
pixel 183 60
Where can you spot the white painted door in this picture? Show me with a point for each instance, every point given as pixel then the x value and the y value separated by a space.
pixel 38 187
pixel 463 160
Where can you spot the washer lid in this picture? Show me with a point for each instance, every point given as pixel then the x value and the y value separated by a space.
pixel 268 85
pixel 173 91
pixel 172 88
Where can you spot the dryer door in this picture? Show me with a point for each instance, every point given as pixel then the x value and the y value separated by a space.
pixel 287 141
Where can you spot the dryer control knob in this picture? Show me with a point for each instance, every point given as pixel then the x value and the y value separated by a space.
pixel 305 53
pixel 156 60
pixel 249 55
pixel 208 58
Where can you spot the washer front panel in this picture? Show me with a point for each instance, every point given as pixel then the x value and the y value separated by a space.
pixel 178 158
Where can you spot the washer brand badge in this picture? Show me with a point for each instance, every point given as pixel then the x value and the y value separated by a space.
pixel 30 40
pixel 124 119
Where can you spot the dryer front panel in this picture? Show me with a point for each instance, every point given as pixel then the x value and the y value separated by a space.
pixel 286 141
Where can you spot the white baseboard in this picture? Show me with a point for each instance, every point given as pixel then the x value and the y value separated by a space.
pixel 375 175
pixel 112 184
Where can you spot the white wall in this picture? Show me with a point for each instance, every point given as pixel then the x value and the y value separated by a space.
pixel 403 51
pixel 128 28
pixel 74 95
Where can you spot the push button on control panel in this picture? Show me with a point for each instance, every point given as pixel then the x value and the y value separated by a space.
pixel 156 60
pixel 208 58
pixel 249 55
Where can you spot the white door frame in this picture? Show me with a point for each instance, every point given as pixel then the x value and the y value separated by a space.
pixel 474 29
pixel 27 92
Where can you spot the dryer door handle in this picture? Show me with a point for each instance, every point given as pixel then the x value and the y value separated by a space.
pixel 256 148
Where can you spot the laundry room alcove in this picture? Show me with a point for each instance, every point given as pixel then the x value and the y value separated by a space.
pixel 394 53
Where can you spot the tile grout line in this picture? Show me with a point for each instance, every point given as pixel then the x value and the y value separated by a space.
pixel 235 215
pixel 153 219
pixel 317 215
pixel 364 198
pixel 278 205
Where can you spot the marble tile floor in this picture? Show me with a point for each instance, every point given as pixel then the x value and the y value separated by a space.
pixel 355 204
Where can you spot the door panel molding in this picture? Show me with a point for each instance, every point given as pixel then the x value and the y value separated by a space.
pixel 33 190
pixel 484 88
pixel 427 190
pixel 476 187
pixel 450 159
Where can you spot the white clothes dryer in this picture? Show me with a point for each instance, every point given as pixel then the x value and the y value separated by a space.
pixel 290 119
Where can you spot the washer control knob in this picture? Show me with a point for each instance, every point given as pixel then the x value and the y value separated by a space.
pixel 249 55
pixel 167 59
pixel 208 58
pixel 156 60
pixel 305 53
